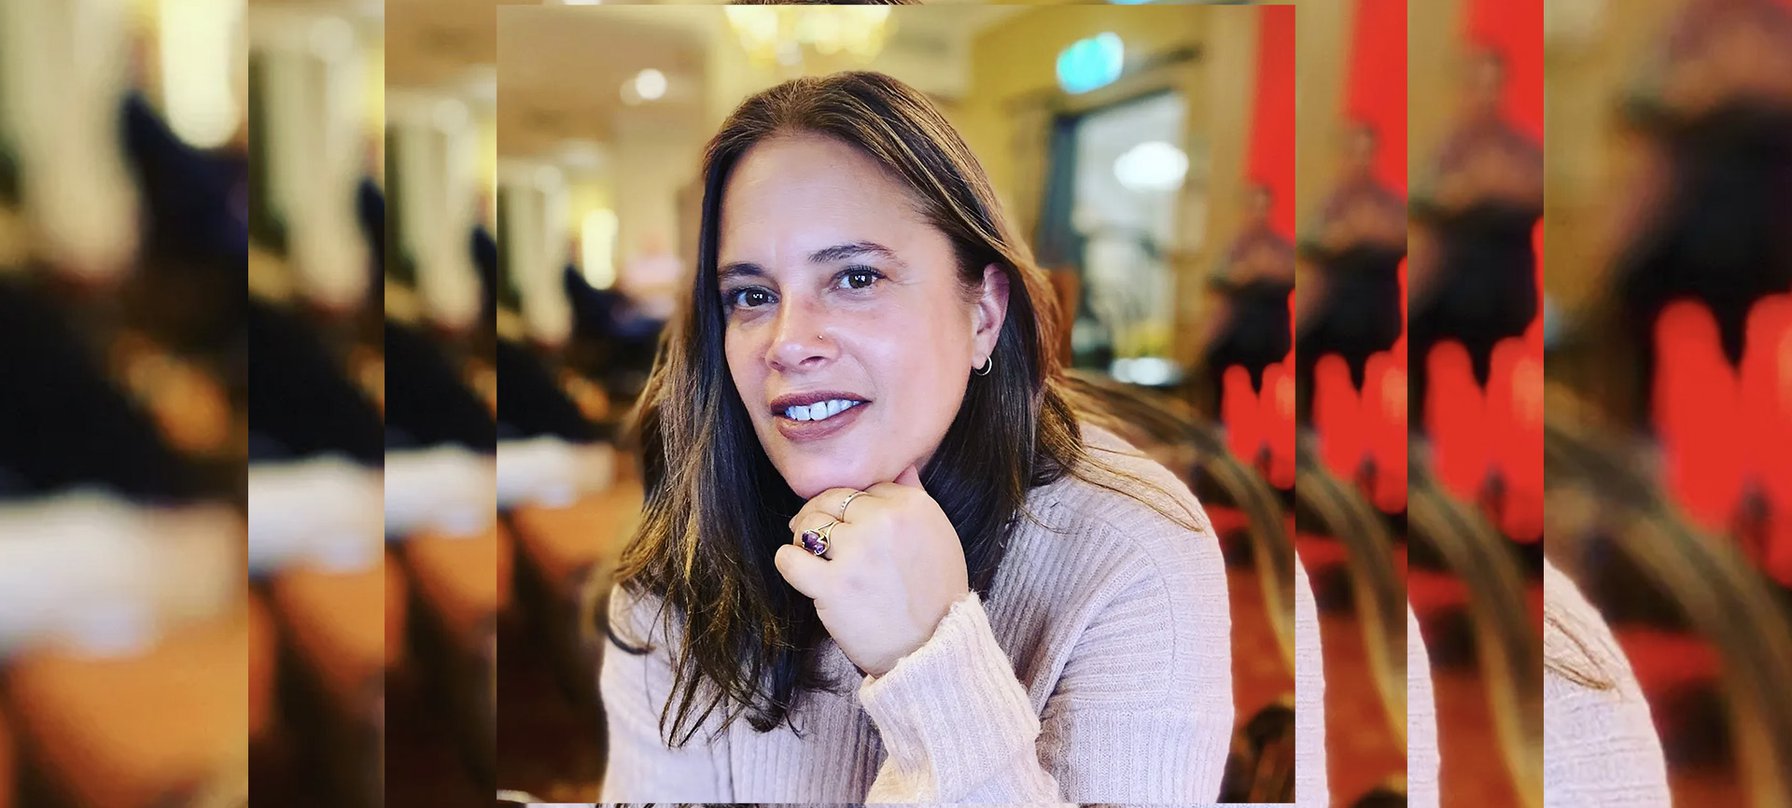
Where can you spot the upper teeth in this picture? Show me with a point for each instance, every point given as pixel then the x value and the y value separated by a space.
pixel 820 410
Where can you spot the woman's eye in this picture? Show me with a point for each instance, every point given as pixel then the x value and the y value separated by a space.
pixel 859 278
pixel 750 297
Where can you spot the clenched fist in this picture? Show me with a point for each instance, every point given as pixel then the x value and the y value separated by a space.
pixel 893 568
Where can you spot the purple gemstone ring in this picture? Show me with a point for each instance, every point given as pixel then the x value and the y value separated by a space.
pixel 816 541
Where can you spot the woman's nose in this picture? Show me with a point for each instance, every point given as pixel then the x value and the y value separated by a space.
pixel 800 337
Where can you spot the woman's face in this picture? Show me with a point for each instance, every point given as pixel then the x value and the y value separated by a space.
pixel 850 337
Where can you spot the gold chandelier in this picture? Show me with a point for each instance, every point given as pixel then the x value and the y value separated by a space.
pixel 787 35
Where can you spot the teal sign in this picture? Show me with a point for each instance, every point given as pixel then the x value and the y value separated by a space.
pixel 1090 63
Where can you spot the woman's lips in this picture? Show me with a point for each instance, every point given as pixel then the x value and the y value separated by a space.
pixel 805 431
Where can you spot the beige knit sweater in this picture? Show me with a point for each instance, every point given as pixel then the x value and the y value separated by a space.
pixel 1098 670
pixel 1600 748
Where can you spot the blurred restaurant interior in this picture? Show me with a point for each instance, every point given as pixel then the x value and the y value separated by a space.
pixel 1442 354
pixel 123 200
pixel 1119 138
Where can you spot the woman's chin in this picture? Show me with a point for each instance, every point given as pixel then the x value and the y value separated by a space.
pixel 810 480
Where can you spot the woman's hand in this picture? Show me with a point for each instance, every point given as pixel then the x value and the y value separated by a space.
pixel 893 568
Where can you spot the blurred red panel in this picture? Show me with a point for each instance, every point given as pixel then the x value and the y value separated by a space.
pixel 1514 29
pixel 1377 89
pixel 1272 118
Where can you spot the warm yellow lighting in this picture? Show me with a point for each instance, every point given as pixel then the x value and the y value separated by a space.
pixel 650 84
pixel 597 241
pixel 774 35
pixel 200 41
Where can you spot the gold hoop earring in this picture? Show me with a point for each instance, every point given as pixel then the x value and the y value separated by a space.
pixel 989 364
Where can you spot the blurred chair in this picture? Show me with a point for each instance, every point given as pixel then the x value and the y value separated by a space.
pixel 8 777
pixel 164 727
pixel 1767 415
pixel 1696 412
pixel 455 599
pixel 333 672
pixel 262 662
pixel 1469 568
pixel 1717 609
pixel 1362 434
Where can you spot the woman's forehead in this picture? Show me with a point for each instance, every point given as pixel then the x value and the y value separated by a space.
pixel 787 166
pixel 803 193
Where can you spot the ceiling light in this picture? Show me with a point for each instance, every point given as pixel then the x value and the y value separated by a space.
pixel 1151 166
pixel 650 84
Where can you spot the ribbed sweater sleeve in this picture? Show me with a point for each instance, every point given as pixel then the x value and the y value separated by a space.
pixel 1421 720
pixel 1600 748
pixel 1141 713
pixel 635 687
pixel 955 722
pixel 1310 787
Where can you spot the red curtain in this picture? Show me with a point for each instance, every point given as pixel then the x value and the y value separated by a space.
pixel 1514 29
pixel 1272 118
pixel 1377 91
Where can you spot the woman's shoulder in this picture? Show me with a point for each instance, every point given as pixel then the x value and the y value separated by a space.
pixel 1599 739
pixel 1125 507
pixel 636 618
pixel 1583 660
pixel 1119 481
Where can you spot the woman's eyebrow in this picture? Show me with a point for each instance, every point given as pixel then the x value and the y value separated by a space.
pixel 825 255
pixel 739 269
pixel 842 252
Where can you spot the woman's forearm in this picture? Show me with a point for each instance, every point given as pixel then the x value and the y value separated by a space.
pixel 956 724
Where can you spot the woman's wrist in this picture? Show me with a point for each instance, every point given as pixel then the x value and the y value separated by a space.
pixel 953 705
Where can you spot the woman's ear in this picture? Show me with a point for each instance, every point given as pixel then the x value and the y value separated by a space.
pixel 991 309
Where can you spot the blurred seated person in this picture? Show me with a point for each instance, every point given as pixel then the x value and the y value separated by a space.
pixel 1478 285
pixel 1248 324
pixel 1708 213
pixel 1350 301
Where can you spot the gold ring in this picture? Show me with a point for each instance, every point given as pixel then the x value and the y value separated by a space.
pixel 816 541
pixel 847 502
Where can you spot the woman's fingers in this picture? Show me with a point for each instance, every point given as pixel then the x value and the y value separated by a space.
pixel 826 503
pixel 806 573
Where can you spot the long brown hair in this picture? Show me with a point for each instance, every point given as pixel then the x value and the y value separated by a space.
pixel 1571 655
pixel 716 509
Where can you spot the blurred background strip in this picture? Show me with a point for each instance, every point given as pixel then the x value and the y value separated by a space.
pixel 318 579
pixel 1669 267
pixel 1475 403
pixel 1348 371
pixel 124 626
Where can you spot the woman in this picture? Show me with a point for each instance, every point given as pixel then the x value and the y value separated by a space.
pixel 1250 324
pixel 1482 208
pixel 1599 743
pixel 1349 303
pixel 879 560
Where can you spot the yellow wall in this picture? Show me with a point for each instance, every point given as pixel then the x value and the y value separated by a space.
pixel 1322 38
pixel 487 127
pixel 1017 59
pixel 1007 117
pixel 1434 71
pixel 1587 164
pixel 373 88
